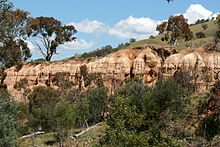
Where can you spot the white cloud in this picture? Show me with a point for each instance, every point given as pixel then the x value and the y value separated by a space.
pixel 78 44
pixel 132 27
pixel 88 26
pixel 195 12
pixel 138 28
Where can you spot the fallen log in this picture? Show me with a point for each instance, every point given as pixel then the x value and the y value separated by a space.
pixel 35 133
pixel 84 131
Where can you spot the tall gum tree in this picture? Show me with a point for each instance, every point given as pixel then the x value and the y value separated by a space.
pixel 13 47
pixel 51 34
pixel 175 28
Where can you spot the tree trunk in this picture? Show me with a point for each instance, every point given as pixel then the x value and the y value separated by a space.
pixel 175 43
pixel 84 131
pixel 48 57
pixel 33 134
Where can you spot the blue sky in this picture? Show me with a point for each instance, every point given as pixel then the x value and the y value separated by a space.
pixel 102 22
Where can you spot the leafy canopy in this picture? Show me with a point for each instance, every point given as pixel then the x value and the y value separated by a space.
pixel 42 101
pixel 136 112
pixel 13 48
pixel 176 28
pixel 51 33
pixel 8 124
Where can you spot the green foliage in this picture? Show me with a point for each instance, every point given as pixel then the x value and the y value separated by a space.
pixel 132 88
pixel 123 123
pixel 64 115
pixel 42 100
pixel 209 127
pixel 38 61
pixel 170 95
pixel 200 35
pixel 135 113
pixel 14 48
pixel 93 77
pixel 217 33
pixel 82 111
pixel 4 93
pixel 218 21
pixel 97 99
pixel 22 117
pixel 157 42
pixel 47 27
pixel 65 118
pixel 159 138
pixel 204 26
pixel 104 51
pixel 176 28
pixel 215 88
pixel 132 40
pixel 61 80
pixel 13 52
pixel 8 124
pixel 23 85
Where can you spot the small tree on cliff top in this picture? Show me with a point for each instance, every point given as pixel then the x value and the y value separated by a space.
pixel 175 29
pixel 51 34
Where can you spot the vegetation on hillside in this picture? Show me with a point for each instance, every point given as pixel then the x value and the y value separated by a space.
pixel 203 32
pixel 99 53
pixel 135 115
pixel 197 41
pixel 170 113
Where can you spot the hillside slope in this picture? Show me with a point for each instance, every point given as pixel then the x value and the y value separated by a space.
pixel 156 42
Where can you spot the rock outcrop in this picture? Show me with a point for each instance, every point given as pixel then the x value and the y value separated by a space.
pixel 147 64
pixel 198 67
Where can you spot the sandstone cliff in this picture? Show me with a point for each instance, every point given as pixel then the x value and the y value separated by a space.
pixel 147 64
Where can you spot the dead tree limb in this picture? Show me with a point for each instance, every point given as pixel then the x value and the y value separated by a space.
pixel 84 131
pixel 35 133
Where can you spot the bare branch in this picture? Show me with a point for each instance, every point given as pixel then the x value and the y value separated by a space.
pixel 40 49
pixel 27 136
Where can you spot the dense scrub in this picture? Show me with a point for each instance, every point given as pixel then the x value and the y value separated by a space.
pixel 136 115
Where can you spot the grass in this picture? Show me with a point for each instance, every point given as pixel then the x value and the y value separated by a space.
pixel 40 140
pixel 90 138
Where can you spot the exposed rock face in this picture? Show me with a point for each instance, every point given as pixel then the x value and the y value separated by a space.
pixel 114 68
pixel 201 68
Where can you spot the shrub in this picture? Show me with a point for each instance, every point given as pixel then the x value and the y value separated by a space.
pixel 8 123
pixel 200 35
pixel 135 111
pixel 42 101
pixel 97 99
pixel 209 127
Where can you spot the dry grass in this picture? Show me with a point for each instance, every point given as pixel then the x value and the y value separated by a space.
pixel 156 42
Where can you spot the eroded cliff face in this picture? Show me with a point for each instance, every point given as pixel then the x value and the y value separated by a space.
pixel 147 64
pixel 196 66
